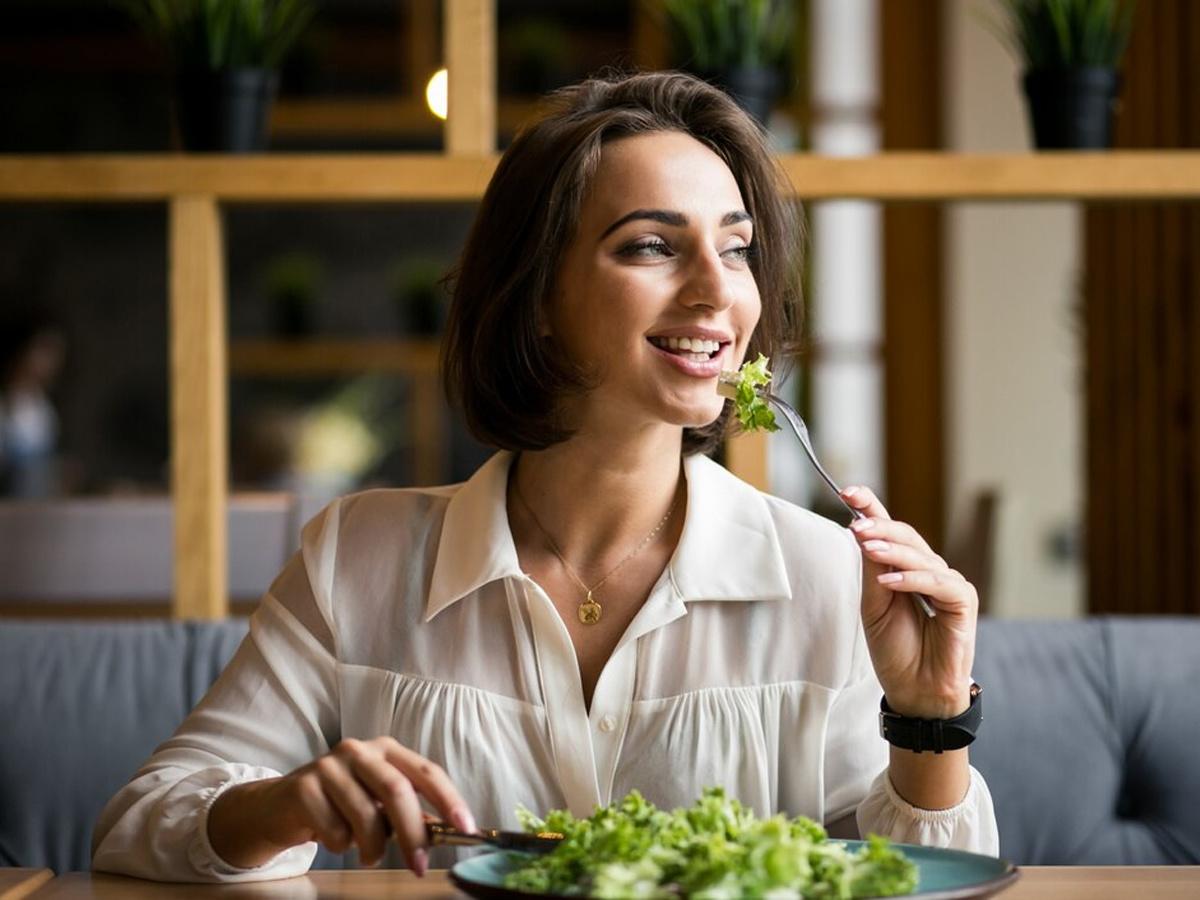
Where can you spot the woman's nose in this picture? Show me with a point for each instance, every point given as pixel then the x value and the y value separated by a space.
pixel 708 282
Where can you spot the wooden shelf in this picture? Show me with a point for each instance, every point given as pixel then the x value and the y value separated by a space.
pixel 382 117
pixel 404 177
pixel 316 358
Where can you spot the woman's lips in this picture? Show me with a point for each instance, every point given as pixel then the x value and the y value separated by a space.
pixel 709 368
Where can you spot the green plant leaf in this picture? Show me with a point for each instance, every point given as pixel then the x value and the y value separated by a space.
pixel 223 34
pixel 1068 33
pixel 724 34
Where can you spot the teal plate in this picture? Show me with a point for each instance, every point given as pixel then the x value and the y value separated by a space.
pixel 943 874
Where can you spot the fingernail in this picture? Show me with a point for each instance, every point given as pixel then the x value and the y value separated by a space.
pixel 849 492
pixel 861 525
pixel 889 577
pixel 875 545
pixel 464 821
pixel 420 861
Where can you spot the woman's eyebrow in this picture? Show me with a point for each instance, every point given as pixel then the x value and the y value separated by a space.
pixel 670 217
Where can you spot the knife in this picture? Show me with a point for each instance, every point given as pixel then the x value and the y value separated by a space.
pixel 439 833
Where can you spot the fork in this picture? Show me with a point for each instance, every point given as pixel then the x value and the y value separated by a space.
pixel 727 384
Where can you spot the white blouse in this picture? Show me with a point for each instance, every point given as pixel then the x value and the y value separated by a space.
pixel 406 613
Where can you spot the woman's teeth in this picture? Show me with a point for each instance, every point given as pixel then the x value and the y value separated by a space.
pixel 695 349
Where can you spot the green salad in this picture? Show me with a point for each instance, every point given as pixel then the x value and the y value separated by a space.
pixel 752 410
pixel 716 849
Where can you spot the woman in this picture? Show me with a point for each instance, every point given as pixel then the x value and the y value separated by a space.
pixel 600 607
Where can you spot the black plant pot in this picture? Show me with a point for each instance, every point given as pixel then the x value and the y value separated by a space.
pixel 754 89
pixel 224 111
pixel 1072 108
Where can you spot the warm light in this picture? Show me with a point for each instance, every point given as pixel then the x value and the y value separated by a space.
pixel 435 93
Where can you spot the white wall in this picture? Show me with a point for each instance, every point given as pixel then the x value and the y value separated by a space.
pixel 1014 374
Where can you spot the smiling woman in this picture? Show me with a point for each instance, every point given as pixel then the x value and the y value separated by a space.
pixel 574 183
pixel 600 608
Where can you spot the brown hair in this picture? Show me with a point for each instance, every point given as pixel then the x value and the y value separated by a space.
pixel 508 378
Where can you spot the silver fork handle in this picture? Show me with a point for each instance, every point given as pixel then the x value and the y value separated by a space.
pixel 801 430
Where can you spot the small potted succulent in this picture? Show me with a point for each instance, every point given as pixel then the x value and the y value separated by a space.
pixel 419 292
pixel 293 284
pixel 738 44
pixel 1072 51
pixel 225 58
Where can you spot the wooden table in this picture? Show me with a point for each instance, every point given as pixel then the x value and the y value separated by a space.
pixel 17 883
pixel 1035 883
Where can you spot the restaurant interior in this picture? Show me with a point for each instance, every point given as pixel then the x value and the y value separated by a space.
pixel 222 305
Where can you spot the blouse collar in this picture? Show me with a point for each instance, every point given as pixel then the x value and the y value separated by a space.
pixel 729 549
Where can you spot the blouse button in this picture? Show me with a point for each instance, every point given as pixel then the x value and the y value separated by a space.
pixel 607 724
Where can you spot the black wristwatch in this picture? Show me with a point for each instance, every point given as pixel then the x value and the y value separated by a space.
pixel 937 735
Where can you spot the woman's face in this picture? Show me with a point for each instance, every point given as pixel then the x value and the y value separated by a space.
pixel 658 262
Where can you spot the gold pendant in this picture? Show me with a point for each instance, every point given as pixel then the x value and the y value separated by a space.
pixel 589 611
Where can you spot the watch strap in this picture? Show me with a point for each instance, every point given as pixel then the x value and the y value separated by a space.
pixel 936 735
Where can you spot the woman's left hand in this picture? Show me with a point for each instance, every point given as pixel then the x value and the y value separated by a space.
pixel 923 663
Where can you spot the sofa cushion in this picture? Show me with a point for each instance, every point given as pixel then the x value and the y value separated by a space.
pixel 1089 740
pixel 82 705
pixel 1088 743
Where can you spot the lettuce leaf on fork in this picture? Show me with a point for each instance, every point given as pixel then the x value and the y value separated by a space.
pixel 752 410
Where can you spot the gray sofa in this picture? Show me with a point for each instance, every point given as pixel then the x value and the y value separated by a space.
pixel 1090 742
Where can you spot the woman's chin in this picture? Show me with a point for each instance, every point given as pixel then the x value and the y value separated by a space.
pixel 699 415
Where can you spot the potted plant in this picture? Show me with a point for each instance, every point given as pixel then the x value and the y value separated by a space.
pixel 293 284
pixel 225 57
pixel 738 44
pixel 1071 50
pixel 537 51
pixel 420 295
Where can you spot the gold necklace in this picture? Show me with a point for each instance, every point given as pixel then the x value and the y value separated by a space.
pixel 589 609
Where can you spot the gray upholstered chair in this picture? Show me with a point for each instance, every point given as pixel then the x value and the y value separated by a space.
pixel 1089 741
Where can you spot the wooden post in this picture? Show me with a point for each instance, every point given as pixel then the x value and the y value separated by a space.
pixel 470 50
pixel 429 446
pixel 419 52
pixel 746 457
pixel 199 439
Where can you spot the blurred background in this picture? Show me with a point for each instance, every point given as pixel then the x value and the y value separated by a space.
pixel 946 357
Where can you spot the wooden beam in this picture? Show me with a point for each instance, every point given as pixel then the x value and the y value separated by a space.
pixel 427 423
pixel 914 403
pixel 419 53
pixel 378 117
pixel 389 178
pixel 199 439
pixel 470 53
pixel 399 177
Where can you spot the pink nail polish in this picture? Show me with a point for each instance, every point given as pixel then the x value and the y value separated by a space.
pixel 861 525
pixel 464 821
pixel 889 577
pixel 420 861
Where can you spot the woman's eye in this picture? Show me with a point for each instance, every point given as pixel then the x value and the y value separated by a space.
pixel 646 248
pixel 742 253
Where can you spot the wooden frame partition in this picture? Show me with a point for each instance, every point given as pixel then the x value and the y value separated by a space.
pixel 196 188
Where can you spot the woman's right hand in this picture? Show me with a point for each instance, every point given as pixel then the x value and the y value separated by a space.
pixel 355 795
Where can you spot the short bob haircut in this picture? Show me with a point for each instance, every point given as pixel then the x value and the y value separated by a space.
pixel 509 379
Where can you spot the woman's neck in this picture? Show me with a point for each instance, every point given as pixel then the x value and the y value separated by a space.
pixel 596 498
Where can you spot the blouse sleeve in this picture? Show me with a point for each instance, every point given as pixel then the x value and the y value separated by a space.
pixel 856 776
pixel 274 708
